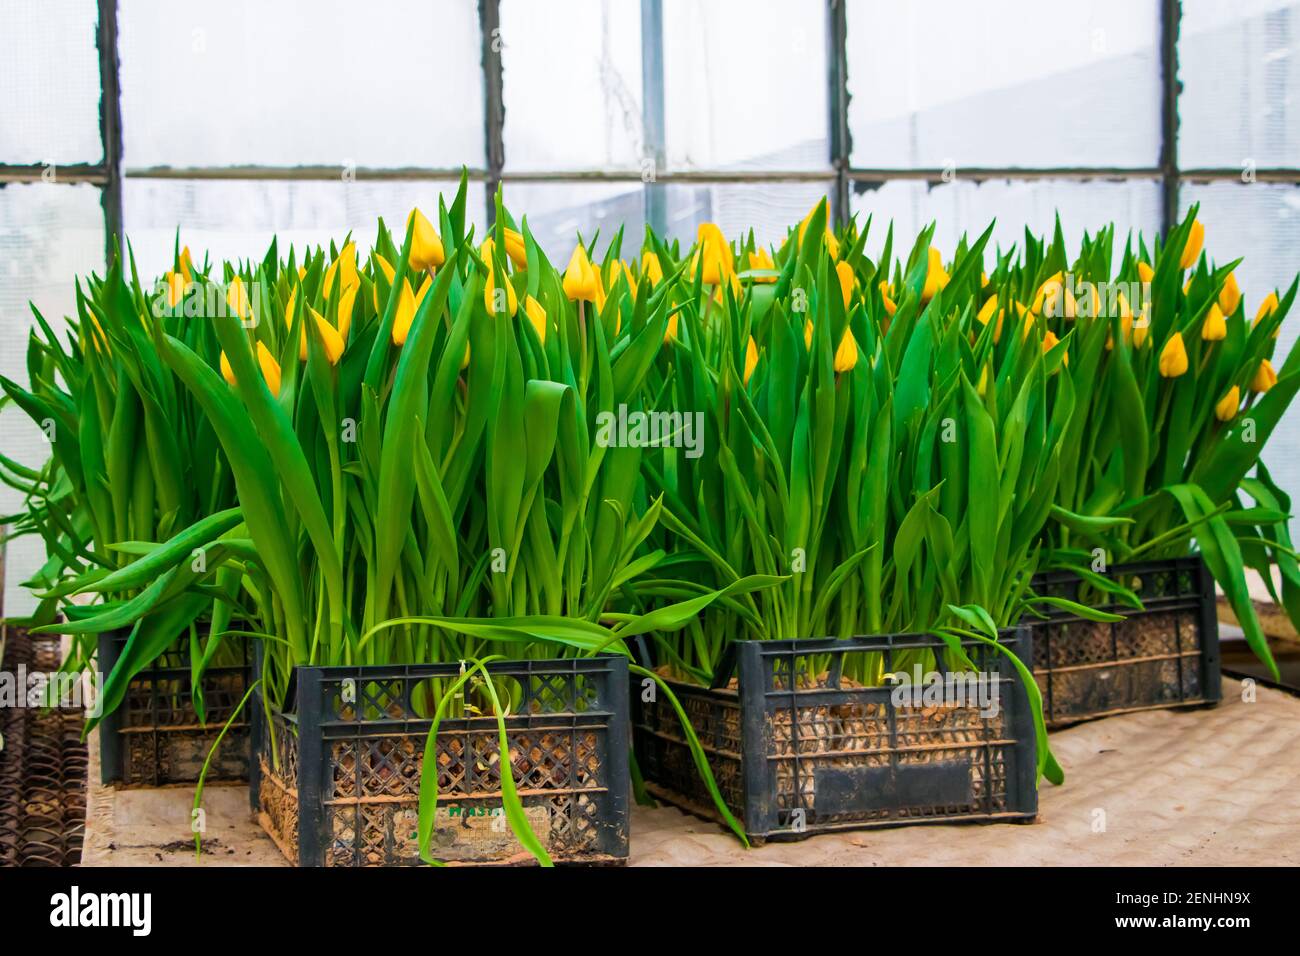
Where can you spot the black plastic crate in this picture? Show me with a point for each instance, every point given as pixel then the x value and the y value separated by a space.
pixel 823 753
pixel 342 786
pixel 1166 655
pixel 154 737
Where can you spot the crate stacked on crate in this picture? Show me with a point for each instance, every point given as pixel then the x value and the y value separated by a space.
pixel 798 747
pixel 338 780
pixel 1165 655
pixel 156 737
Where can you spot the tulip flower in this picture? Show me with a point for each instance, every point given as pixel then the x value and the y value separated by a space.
pixel 845 273
pixel 580 280
pixel 175 289
pixel 187 265
pixel 346 301
pixel 405 313
pixel 987 310
pixel 1214 328
pixel 1173 357
pixel 227 372
pixel 936 277
pixel 1265 378
pixel 983 386
pixel 506 304
pixel 537 316
pixel 389 274
pixel 846 356
pixel 237 298
pixel 1266 310
pixel 1145 272
pixel 651 268
pixel 1230 294
pixel 289 309
pixel 1226 409
pixel 713 255
pixel 270 368
pixel 832 246
pixel 426 246
pixel 890 305
pixel 762 259
pixel 671 332
pixel 751 358
pixel 348 260
pixel 330 337
pixel 1192 251
pixel 516 249
pixel 1050 341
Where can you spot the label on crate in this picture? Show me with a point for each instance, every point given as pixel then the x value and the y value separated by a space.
pixel 471 831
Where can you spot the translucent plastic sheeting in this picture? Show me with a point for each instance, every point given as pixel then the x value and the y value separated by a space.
pixel 558 211
pixel 969 207
pixel 389 83
pixel 1239 61
pixel 1004 83
pixel 1262 224
pixel 49 82
pixel 770 209
pixel 236 219
pixel 572 84
pixel 49 235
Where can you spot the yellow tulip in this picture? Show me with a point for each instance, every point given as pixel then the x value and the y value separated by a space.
pixel 330 337
pixel 389 274
pixel 580 280
pixel 1050 341
pixel 494 303
pixel 986 310
pixel 464 362
pixel 845 273
pixel 762 259
pixel 270 368
pixel 187 265
pixel 516 249
pixel 671 332
pixel 1192 251
pixel 846 356
pixel 1230 294
pixel 651 268
pixel 936 277
pixel 289 309
pixel 1145 272
pixel 1265 378
pixel 302 273
pixel 807 334
pixel 227 372
pixel 426 246
pixel 1266 310
pixel 536 315
pixel 1214 328
pixel 1141 328
pixel 1125 322
pixel 714 253
pixel 1173 357
pixel 832 246
pixel 1051 287
pixel 982 388
pixel 237 298
pixel 348 269
pixel 405 313
pixel 346 301
pixel 751 358
pixel 175 289
pixel 1226 409
pixel 890 306
pixel 984 279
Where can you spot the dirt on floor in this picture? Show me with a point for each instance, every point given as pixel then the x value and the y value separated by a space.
pixel 1160 788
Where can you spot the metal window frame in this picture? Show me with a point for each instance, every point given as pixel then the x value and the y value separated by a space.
pixel 110 172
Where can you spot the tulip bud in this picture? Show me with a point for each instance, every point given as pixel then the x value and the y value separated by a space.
pixel 537 316
pixel 426 246
pixel 1214 328
pixel 270 368
pixel 713 255
pixel 464 362
pixel 807 334
pixel 936 277
pixel 346 301
pixel 1050 341
pixel 651 268
pixel 506 304
pixel 986 310
pixel 227 372
pixel 1145 272
pixel 330 337
pixel 405 313
pixel 1266 310
pixel 1265 378
pixel 1173 357
pixel 671 332
pixel 982 388
pixel 890 305
pixel 175 289
pixel 845 273
pixel 1226 409
pixel 516 249
pixel 762 259
pixel 1230 294
pixel 751 358
pixel 580 280
pixel 1192 251
pixel 846 356
pixel 237 298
